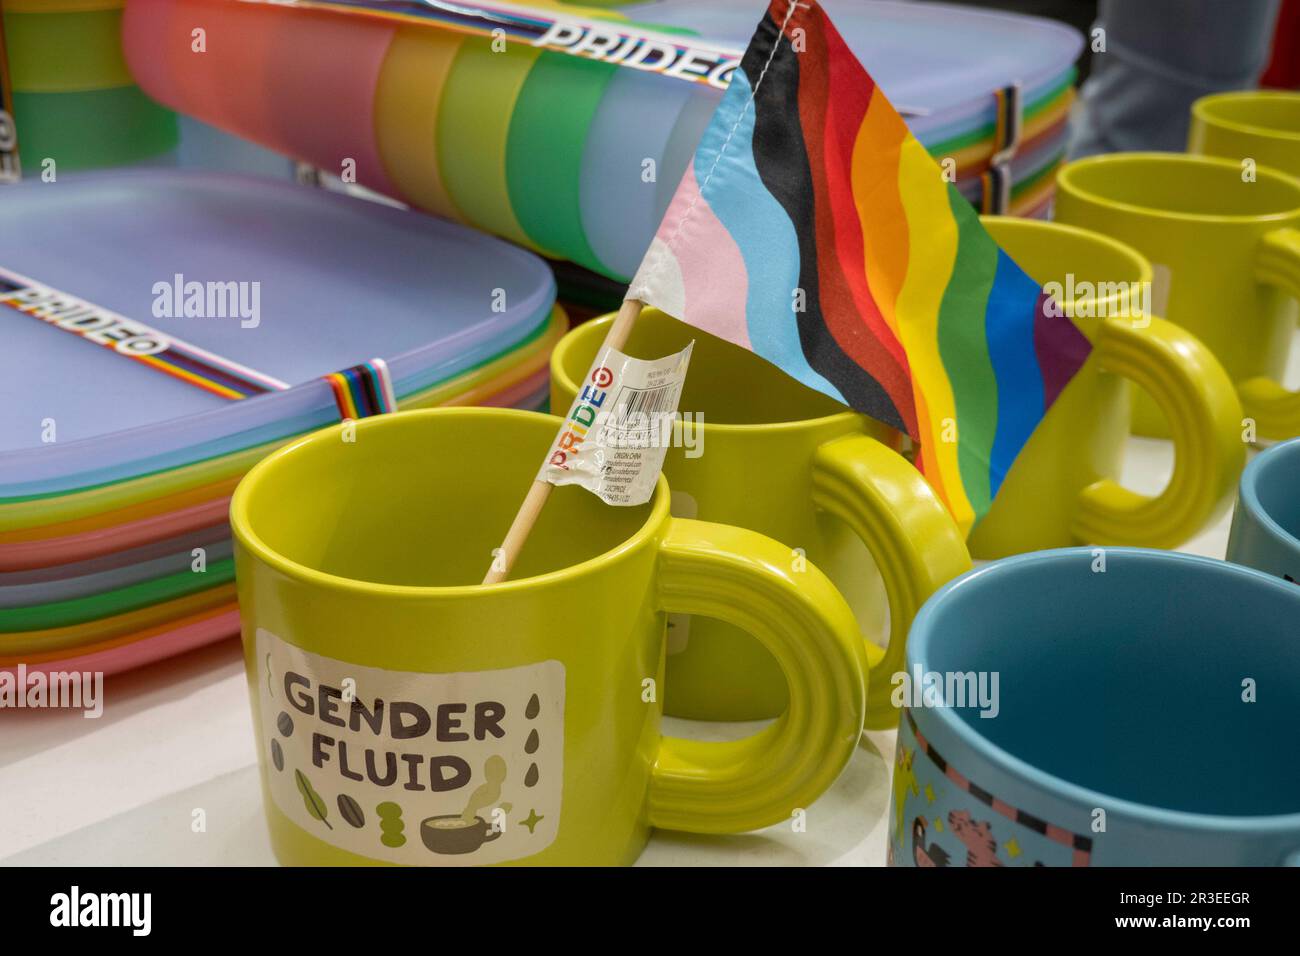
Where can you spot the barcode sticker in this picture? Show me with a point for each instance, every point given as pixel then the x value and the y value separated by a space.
pixel 639 414
pixel 619 427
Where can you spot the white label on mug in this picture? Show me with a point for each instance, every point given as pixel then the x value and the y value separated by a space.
pixel 424 769
pixel 619 427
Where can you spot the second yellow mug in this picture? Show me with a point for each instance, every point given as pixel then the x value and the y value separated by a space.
pixel 1062 489
pixel 776 457
pixel 1260 125
pixel 1223 239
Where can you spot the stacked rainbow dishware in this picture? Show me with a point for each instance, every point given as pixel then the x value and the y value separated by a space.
pixel 74 101
pixel 572 157
pixel 115 477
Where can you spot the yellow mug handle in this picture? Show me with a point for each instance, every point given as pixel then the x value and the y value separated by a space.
pixel 1275 408
pixel 741 577
pixel 1204 415
pixel 911 536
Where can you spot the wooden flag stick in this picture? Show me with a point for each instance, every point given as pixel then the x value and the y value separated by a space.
pixel 503 559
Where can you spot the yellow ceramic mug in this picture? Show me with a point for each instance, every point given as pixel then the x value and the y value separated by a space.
pixel 774 456
pixel 406 714
pixel 1259 125
pixel 1224 242
pixel 1061 489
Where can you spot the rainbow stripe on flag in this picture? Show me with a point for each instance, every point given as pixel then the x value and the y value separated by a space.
pixel 813 229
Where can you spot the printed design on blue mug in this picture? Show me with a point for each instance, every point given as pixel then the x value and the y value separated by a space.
pixel 940 818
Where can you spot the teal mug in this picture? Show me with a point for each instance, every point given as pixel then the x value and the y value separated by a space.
pixel 1266 523
pixel 1101 707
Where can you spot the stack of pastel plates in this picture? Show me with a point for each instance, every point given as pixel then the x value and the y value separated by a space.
pixel 115 476
pixel 549 150
pixel 940 64
pixel 74 100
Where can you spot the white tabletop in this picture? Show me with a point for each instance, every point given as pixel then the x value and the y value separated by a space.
pixel 177 736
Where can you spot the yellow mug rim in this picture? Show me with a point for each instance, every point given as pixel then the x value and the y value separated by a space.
pixel 1201 110
pixel 1064 183
pixel 1123 249
pixel 561 376
pixel 241 525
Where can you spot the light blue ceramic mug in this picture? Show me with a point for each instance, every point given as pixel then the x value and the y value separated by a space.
pixel 1143 713
pixel 1266 523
